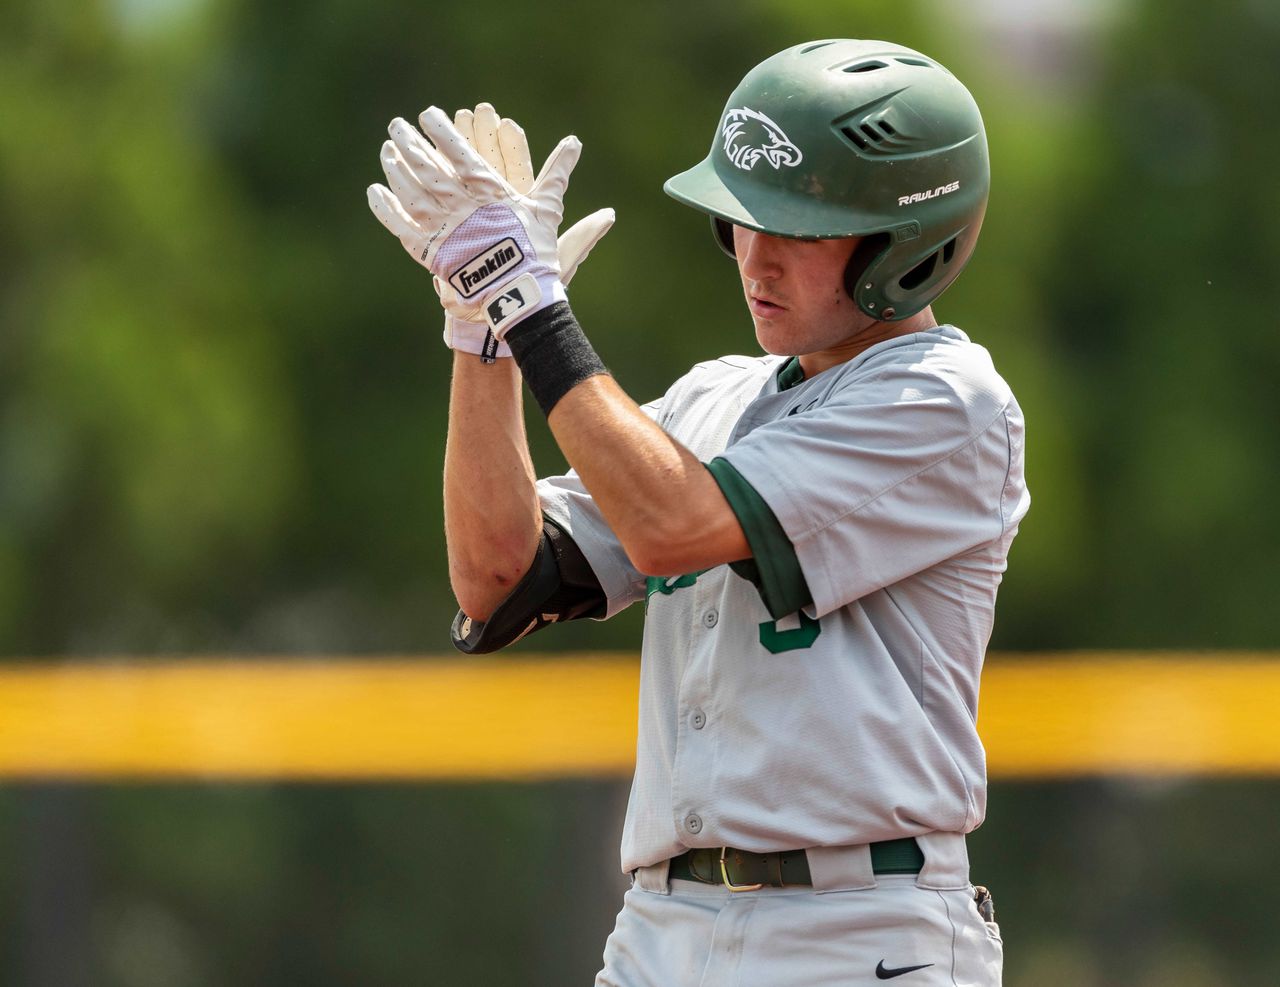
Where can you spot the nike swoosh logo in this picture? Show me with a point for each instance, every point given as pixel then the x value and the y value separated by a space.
pixel 888 973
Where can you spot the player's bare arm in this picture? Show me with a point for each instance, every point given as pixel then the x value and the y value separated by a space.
pixel 662 503
pixel 493 524
pixel 492 519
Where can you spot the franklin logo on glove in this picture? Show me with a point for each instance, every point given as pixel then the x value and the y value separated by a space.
pixel 482 269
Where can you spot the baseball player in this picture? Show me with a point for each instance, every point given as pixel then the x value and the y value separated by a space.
pixel 816 534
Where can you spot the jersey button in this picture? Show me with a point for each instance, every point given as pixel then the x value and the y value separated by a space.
pixel 710 618
pixel 693 822
pixel 698 719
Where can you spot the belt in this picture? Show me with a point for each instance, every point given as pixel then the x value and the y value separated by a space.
pixel 742 870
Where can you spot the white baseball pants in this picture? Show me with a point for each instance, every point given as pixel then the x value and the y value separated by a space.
pixel 686 934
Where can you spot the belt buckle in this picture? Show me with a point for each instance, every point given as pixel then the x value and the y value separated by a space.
pixel 724 876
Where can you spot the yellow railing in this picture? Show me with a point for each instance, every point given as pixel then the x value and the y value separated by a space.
pixel 1041 716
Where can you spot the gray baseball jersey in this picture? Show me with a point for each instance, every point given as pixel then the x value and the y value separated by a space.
pixel 826 693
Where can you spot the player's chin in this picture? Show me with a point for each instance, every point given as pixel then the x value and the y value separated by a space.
pixel 775 339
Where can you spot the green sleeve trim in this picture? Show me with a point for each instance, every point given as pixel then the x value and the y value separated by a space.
pixel 773 567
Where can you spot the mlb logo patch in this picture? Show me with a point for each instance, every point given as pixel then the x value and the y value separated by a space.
pixel 507 304
pixel 512 302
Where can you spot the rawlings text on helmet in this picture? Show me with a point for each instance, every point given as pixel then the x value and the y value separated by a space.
pixel 933 193
pixel 750 136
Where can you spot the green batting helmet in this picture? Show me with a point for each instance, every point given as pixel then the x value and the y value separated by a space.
pixel 852 139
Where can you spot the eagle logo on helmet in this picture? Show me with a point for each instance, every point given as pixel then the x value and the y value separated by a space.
pixel 750 136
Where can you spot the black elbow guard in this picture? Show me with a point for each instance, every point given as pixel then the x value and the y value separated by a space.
pixel 558 586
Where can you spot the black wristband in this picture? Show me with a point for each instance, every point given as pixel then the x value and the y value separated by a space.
pixel 553 354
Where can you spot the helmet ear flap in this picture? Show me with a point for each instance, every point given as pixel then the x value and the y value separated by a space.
pixel 869 250
pixel 722 230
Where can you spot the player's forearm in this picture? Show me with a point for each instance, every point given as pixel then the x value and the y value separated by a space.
pixel 492 517
pixel 662 503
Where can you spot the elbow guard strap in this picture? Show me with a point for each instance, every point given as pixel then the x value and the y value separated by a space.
pixel 558 586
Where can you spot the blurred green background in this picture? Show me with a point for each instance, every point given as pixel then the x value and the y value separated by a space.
pixel 223 407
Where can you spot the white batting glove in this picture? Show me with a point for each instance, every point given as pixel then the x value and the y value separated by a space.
pixel 493 248
pixel 503 145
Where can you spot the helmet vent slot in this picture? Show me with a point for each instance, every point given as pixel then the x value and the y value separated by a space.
pixel 865 66
pixel 915 61
pixel 814 47
pixel 919 274
pixel 949 251
pixel 857 138
pixel 881 129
